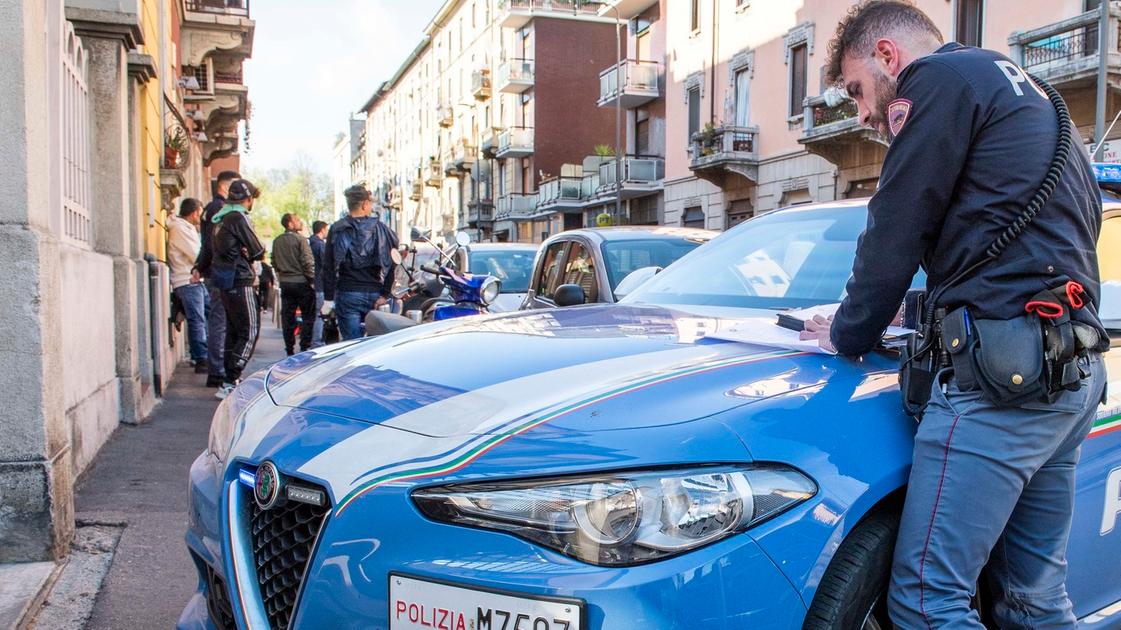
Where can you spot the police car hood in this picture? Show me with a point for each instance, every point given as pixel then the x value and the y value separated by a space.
pixel 585 369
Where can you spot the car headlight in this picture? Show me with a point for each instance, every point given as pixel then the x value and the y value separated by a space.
pixel 490 289
pixel 626 518
pixel 221 429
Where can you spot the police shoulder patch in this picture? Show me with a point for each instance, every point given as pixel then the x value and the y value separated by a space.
pixel 897 112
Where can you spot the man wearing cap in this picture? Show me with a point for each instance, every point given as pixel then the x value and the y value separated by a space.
pixel 233 249
pixel 357 267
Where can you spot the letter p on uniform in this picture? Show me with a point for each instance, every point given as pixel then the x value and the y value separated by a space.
pixel 1016 76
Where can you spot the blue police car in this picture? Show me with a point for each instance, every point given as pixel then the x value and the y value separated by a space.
pixel 595 467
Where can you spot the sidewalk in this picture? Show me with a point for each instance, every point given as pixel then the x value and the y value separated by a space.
pixel 139 482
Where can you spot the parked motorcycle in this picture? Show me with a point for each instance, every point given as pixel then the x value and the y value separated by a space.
pixel 423 298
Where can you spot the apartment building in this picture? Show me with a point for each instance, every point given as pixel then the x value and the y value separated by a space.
pixel 752 127
pixel 497 96
pixel 107 125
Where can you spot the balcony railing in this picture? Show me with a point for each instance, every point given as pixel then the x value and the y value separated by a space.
pixel 561 192
pixel 726 148
pixel 515 75
pixel 234 78
pixel 1066 52
pixel 488 144
pixel 640 171
pixel 640 83
pixel 445 115
pixel 225 7
pixel 480 210
pixel 480 84
pixel 417 191
pixel 464 155
pixel 517 13
pixel 434 176
pixel 831 125
pixel 516 206
pixel 515 142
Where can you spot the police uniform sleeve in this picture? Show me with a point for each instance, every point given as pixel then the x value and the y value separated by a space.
pixel 935 118
pixel 327 273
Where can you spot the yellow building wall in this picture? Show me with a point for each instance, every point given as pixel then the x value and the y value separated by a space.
pixel 150 134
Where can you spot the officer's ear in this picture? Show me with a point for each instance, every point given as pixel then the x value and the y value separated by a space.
pixel 886 55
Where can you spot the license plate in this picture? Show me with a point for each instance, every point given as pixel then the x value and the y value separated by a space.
pixel 424 605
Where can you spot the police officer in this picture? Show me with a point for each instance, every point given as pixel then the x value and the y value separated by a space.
pixel 972 138
pixel 357 266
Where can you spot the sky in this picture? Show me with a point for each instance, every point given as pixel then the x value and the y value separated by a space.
pixel 316 62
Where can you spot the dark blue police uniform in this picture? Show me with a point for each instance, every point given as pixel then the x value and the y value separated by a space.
pixel 973 139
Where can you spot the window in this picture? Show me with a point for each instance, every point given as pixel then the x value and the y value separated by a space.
pixel 580 269
pixel 622 257
pixel 798 55
pixel 527 175
pixel 695 19
pixel 641 133
pixel 547 281
pixel 694 217
pixel 742 87
pixel 970 19
pixel 694 99
pixel 739 211
pixel 526 109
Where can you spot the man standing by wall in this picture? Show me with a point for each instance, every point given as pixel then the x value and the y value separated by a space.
pixel 183 244
pixel 216 319
pixel 318 244
pixel 234 248
pixel 357 263
pixel 295 271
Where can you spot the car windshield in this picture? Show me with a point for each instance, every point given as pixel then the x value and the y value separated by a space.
pixel 790 259
pixel 625 256
pixel 512 267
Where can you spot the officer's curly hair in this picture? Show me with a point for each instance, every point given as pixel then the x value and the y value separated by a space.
pixel 869 21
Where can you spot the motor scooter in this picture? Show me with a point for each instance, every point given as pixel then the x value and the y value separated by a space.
pixel 424 299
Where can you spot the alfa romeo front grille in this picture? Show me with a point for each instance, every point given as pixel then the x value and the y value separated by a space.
pixel 218 602
pixel 283 540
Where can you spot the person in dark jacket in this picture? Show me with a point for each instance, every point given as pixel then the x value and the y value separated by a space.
pixel 294 265
pixel 318 245
pixel 992 482
pixel 357 265
pixel 216 316
pixel 233 249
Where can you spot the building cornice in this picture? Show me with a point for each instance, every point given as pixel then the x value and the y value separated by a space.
pixel 100 24
pixel 141 67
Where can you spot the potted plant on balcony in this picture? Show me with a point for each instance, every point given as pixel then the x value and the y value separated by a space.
pixel 708 139
pixel 175 145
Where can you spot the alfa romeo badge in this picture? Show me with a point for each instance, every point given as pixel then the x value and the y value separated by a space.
pixel 266 486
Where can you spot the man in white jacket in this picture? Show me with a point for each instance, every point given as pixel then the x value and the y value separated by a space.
pixel 183 242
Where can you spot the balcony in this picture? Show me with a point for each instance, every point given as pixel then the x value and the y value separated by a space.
pixel 489 143
pixel 515 76
pixel 479 211
pixel 219 7
pixel 717 151
pixel 517 13
pixel 434 176
pixel 627 8
pixel 418 191
pixel 464 156
pixel 1065 53
pixel 516 207
pixel 561 193
pixel 480 84
pixel 450 169
pixel 832 129
pixel 515 142
pixel 640 84
pixel 641 176
pixel 445 115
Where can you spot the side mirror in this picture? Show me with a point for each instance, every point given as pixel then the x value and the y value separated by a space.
pixel 569 295
pixel 395 256
pixel 633 279
pixel 463 239
pixel 415 234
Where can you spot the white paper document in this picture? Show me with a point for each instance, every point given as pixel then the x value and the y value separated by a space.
pixel 828 310
pixel 763 332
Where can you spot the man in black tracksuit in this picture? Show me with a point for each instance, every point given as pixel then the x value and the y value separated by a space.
pixel 234 248
pixel 216 317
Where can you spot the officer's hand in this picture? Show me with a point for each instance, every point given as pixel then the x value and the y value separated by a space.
pixel 380 302
pixel 818 328
pixel 328 308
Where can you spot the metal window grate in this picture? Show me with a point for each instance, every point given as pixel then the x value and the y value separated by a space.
pixel 283 540
pixel 76 188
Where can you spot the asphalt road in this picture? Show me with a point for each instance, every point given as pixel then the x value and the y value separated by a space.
pixel 140 478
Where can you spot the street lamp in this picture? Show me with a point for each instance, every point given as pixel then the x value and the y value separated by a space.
pixel 604 6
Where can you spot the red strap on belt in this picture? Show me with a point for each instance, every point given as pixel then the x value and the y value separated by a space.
pixel 1075 292
pixel 1046 310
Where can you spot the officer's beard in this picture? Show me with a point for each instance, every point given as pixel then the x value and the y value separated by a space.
pixel 886 91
